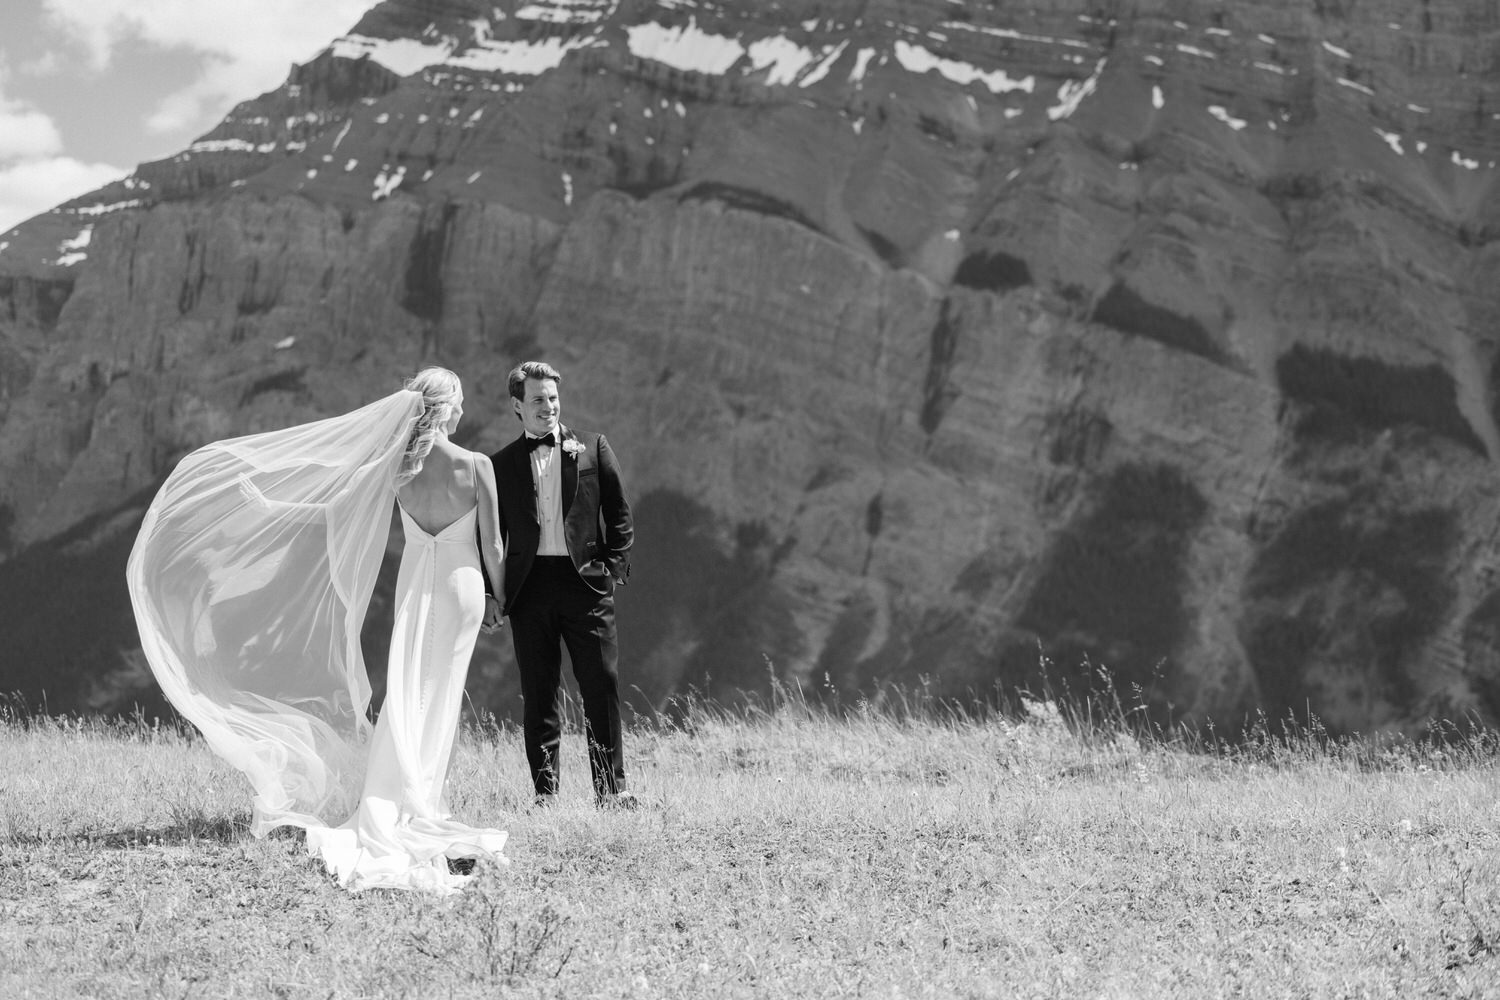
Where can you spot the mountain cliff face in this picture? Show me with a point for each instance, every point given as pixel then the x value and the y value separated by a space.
pixel 1158 334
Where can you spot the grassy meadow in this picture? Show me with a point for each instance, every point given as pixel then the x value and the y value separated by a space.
pixel 784 853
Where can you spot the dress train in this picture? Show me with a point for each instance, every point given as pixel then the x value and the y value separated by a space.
pixel 402 833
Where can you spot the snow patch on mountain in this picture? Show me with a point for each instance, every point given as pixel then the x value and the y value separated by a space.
pixel 387 183
pixel 406 56
pixel 1223 115
pixel 1392 140
pixel 230 146
pixel 1072 93
pixel 688 48
pixel 402 56
pixel 782 57
pixel 825 64
pixel 916 59
pixel 105 209
pixel 1011 34
pixel 568 11
pixel 520 58
pixel 861 63
pixel 75 250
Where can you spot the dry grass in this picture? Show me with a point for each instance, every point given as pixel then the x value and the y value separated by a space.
pixel 785 853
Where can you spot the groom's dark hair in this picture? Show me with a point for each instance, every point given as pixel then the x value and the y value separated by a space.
pixel 516 382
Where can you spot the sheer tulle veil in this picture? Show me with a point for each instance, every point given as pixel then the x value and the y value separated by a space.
pixel 250 579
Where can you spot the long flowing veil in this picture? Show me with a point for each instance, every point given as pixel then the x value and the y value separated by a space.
pixel 250 580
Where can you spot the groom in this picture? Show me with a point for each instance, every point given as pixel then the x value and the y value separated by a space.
pixel 566 527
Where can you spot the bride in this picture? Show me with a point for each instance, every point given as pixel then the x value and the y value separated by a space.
pixel 250 579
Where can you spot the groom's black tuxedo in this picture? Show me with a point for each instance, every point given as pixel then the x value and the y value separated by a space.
pixel 596 515
pixel 567 600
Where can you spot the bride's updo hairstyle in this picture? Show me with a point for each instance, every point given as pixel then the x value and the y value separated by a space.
pixel 439 388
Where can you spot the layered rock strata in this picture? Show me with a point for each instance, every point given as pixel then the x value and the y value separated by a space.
pixel 1156 336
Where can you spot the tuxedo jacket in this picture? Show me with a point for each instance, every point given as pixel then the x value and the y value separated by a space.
pixel 596 515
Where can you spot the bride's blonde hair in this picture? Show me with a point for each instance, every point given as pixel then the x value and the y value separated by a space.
pixel 439 388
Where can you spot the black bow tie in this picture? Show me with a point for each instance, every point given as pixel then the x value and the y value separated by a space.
pixel 532 444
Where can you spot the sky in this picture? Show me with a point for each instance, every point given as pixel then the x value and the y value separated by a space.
pixel 90 88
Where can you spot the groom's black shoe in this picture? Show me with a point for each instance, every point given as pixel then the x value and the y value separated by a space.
pixel 460 866
pixel 545 800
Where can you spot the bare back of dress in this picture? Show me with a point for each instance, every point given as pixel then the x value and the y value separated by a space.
pixel 402 833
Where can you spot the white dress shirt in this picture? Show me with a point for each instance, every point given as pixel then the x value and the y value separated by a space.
pixel 546 480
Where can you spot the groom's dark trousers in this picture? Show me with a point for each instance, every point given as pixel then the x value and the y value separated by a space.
pixel 556 602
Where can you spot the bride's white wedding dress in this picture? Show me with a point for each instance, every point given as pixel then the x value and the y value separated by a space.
pixel 401 834
pixel 250 580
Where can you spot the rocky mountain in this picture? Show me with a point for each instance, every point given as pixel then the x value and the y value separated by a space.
pixel 1156 335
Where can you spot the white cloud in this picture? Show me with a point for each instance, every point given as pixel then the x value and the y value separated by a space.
pixel 45 64
pixel 244 49
pixel 247 47
pixel 34 173
pixel 26 132
pixel 30 187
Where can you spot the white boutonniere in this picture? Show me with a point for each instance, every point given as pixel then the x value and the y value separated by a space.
pixel 573 448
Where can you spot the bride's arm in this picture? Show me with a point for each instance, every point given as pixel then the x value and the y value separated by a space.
pixel 491 549
pixel 297 510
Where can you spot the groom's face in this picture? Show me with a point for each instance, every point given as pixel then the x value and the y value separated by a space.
pixel 539 406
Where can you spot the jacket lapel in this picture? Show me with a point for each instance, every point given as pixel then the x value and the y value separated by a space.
pixel 569 470
pixel 522 472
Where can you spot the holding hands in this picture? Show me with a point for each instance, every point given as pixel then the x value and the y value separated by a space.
pixel 492 619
